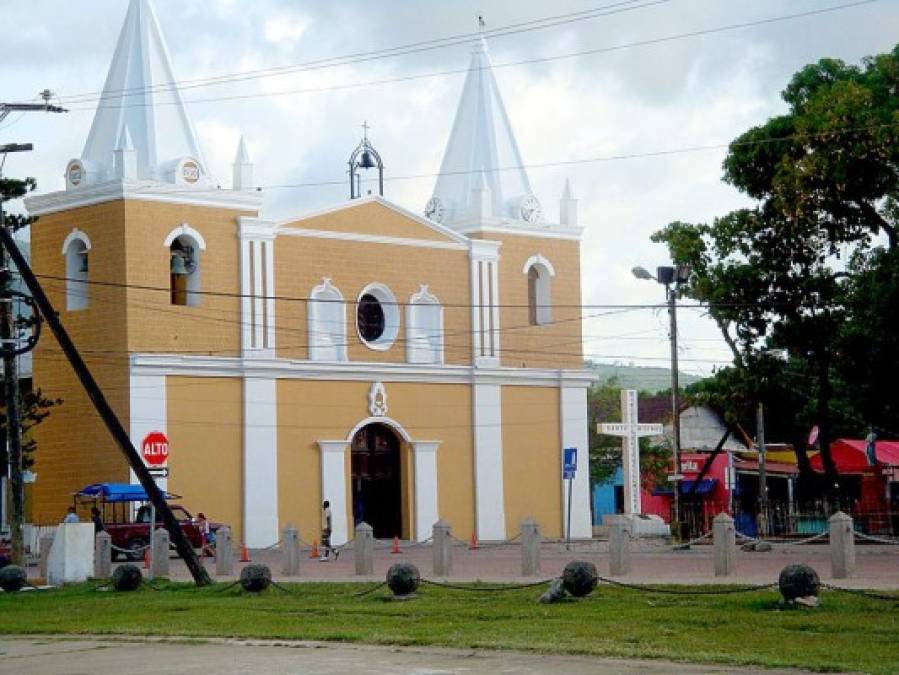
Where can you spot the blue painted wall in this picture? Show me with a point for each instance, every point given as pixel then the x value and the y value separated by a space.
pixel 604 496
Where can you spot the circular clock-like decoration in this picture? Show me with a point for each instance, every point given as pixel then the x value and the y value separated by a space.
pixel 434 209
pixel 76 173
pixel 530 209
pixel 190 171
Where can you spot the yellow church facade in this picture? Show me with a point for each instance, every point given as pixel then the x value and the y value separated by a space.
pixel 407 368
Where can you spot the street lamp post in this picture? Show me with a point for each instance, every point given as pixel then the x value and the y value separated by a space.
pixel 671 278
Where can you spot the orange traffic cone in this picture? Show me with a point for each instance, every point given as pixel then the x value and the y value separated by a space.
pixel 244 553
pixel 396 545
pixel 146 559
pixel 473 544
pixel 314 552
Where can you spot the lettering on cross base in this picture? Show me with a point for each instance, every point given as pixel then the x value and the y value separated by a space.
pixel 630 430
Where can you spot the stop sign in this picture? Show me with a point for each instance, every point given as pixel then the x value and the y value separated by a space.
pixel 155 448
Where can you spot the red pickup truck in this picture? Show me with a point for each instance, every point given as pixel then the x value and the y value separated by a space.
pixel 130 539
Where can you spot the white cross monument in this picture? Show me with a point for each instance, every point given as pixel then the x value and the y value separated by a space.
pixel 631 431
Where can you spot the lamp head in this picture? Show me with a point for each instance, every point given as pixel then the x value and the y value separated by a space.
pixel 665 275
pixel 641 272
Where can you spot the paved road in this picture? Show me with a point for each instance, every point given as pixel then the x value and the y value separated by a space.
pixel 73 656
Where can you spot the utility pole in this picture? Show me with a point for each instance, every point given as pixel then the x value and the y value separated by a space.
pixel 8 343
pixel 762 520
pixel 675 402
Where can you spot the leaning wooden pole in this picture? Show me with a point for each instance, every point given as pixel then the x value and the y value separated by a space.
pixel 183 546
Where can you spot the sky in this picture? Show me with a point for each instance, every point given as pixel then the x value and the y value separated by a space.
pixel 638 93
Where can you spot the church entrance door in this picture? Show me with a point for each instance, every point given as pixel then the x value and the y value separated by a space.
pixel 377 488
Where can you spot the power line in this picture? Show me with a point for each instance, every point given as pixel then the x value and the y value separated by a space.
pixel 531 61
pixel 387 52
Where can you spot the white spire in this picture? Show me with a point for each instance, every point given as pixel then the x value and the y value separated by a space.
pixel 567 206
pixel 481 142
pixel 138 95
pixel 243 168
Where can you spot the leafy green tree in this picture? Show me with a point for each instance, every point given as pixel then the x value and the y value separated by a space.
pixel 825 176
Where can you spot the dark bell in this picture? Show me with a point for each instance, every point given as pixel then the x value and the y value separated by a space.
pixel 366 161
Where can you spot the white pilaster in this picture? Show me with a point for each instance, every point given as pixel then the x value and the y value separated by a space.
pixel 490 514
pixel 573 427
pixel 257 281
pixel 260 462
pixel 424 457
pixel 334 479
pixel 485 302
pixel 148 414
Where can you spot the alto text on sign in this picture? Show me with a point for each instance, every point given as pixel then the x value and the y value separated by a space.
pixel 155 448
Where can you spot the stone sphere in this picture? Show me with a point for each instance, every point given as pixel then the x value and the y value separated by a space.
pixel 127 577
pixel 13 578
pixel 798 581
pixel 403 578
pixel 255 578
pixel 580 578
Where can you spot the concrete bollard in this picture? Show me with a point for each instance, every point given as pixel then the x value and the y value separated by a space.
pixel 842 545
pixel 443 549
pixel 224 552
pixel 102 555
pixel 530 548
pixel 45 543
pixel 364 550
pixel 620 547
pixel 724 536
pixel 159 561
pixel 290 550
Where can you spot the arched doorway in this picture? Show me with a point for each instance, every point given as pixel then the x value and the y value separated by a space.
pixel 376 476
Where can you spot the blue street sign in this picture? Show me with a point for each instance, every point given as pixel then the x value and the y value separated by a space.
pixel 569 463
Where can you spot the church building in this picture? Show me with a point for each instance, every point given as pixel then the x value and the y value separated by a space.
pixel 407 367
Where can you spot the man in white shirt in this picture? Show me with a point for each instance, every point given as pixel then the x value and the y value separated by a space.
pixel 326 531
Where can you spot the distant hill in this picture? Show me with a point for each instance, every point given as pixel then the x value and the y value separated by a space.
pixel 641 378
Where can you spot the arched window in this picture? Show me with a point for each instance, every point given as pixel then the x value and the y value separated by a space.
pixel 75 249
pixel 326 321
pixel 539 273
pixel 424 328
pixel 184 245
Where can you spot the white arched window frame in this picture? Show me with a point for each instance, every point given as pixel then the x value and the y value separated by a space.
pixel 326 323
pixel 188 243
pixel 539 272
pixel 75 248
pixel 424 328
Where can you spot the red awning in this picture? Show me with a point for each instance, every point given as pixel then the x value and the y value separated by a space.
pixel 849 455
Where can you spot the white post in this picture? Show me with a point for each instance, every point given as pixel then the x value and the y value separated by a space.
pixel 364 550
pixel 424 457
pixel 530 548
pixel 442 549
pixel 159 567
pixel 842 545
pixel 290 542
pixel 224 552
pixel 725 544
pixel 102 555
pixel 620 546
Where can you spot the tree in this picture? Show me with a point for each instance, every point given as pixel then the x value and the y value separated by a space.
pixel 826 177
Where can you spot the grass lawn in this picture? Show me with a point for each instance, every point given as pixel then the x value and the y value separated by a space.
pixel 844 633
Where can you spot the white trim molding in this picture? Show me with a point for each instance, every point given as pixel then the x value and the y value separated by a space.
pixel 424 327
pixel 326 323
pixel 573 434
pixel 76 235
pixel 333 487
pixel 260 462
pixel 391 310
pixel 148 402
pixel 184 230
pixel 538 260
pixel 151 191
pixel 490 512
pixel 424 466
pixel 387 421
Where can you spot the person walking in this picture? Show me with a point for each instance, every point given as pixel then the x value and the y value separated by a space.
pixel 71 516
pixel 326 531
pixel 207 536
